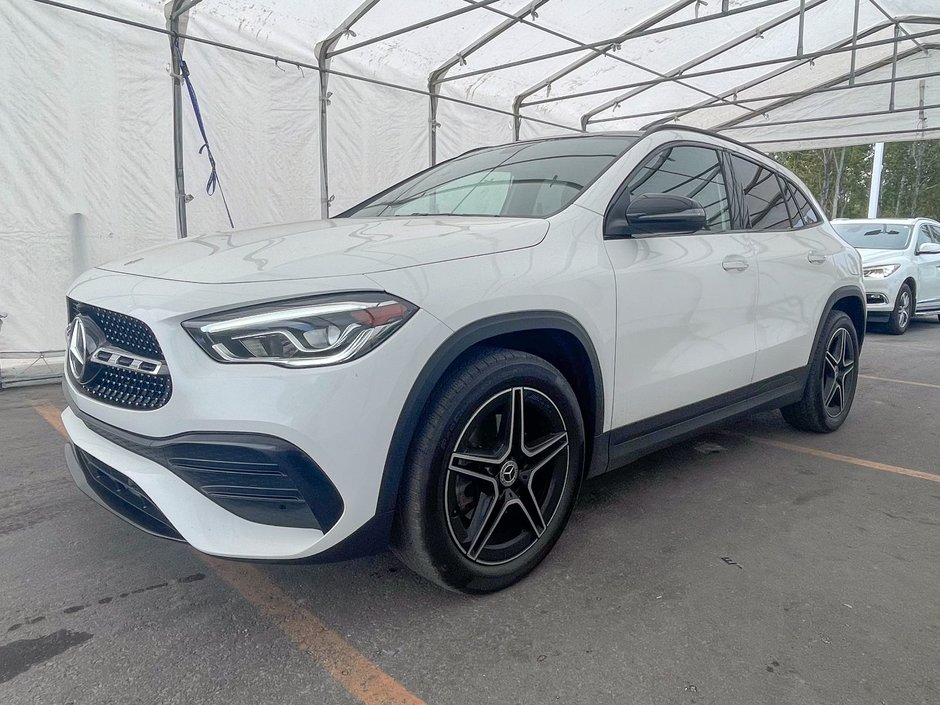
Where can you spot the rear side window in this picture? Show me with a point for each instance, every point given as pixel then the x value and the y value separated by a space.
pixel 802 212
pixel 763 195
pixel 690 171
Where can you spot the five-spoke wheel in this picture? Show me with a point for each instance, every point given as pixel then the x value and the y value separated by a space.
pixel 493 472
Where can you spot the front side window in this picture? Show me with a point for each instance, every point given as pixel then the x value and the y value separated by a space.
pixel 690 171
pixel 875 236
pixel 763 195
pixel 523 180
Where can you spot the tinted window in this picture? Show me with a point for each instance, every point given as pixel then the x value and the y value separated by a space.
pixel 693 172
pixel 763 196
pixel 527 179
pixel 923 235
pixel 874 236
pixel 935 231
pixel 804 213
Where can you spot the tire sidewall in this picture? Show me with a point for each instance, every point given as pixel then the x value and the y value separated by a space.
pixel 429 470
pixel 837 320
pixel 895 322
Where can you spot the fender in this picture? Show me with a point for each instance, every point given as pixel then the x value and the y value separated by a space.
pixel 444 357
pixel 843 292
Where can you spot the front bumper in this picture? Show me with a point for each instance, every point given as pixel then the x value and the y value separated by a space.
pixel 341 419
pixel 880 296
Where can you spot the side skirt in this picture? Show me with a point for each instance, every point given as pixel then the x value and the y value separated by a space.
pixel 627 443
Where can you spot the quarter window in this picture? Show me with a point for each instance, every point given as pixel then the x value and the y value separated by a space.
pixel 763 195
pixel 693 172
pixel 803 212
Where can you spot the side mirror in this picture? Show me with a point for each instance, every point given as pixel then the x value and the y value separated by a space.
pixel 928 248
pixel 657 214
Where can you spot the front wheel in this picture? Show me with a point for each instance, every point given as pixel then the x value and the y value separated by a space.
pixel 831 381
pixel 903 311
pixel 493 472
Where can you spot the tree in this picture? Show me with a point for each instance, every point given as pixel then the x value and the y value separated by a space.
pixel 840 178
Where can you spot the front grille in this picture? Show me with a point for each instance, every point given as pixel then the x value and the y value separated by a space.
pixel 123 331
pixel 124 496
pixel 120 386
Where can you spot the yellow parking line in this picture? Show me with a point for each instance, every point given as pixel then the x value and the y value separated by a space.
pixel 901 381
pixel 860 462
pixel 356 673
pixel 361 678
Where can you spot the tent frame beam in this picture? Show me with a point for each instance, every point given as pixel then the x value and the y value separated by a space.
pixel 777 96
pixel 733 43
pixel 323 51
pixel 434 78
pixel 734 90
pixel 594 45
pixel 766 62
pixel 822 87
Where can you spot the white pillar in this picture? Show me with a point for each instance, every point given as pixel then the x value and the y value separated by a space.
pixel 874 193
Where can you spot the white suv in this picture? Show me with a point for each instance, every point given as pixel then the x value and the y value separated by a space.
pixel 440 367
pixel 901 267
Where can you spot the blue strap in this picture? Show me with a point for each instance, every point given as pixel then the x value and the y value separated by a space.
pixel 213 181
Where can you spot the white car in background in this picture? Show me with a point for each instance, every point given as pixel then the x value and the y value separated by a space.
pixel 440 367
pixel 901 260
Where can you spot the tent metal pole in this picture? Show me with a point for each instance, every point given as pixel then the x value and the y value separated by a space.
pixel 733 91
pixel 434 78
pixel 176 17
pixel 412 27
pixel 840 138
pixel 858 4
pixel 597 52
pixel 874 193
pixel 707 56
pixel 323 50
pixel 826 85
pixel 778 96
pixel 799 39
pixel 811 56
pixel 595 45
pixel 894 19
pixel 828 118
pixel 894 66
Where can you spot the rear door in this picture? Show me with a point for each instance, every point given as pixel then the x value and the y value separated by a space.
pixel 685 302
pixel 794 253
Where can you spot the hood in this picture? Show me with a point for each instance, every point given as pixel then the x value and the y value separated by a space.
pixel 872 257
pixel 324 248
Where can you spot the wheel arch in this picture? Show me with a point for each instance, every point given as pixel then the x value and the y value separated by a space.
pixel 850 300
pixel 912 283
pixel 552 335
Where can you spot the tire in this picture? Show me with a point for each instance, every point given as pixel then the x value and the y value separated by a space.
pixel 480 520
pixel 903 311
pixel 831 381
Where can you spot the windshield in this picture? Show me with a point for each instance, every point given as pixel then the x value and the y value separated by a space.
pixel 875 236
pixel 523 180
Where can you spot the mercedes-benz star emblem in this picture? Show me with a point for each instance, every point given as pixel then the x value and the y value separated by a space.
pixel 508 473
pixel 82 344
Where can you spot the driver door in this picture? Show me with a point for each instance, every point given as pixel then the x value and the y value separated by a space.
pixel 686 303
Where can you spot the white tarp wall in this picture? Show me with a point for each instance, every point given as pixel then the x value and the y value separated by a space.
pixel 86 141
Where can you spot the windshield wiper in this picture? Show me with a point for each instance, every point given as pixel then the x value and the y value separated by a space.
pixel 882 232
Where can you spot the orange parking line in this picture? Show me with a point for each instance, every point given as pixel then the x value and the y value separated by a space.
pixel 901 381
pixel 860 462
pixel 348 667
pixel 357 674
pixel 51 414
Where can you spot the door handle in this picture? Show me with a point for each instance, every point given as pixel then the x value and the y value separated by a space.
pixel 734 263
pixel 816 257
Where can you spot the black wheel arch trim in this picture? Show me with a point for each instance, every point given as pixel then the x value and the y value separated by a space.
pixel 843 292
pixel 446 354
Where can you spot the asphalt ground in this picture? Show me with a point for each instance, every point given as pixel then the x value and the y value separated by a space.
pixel 765 566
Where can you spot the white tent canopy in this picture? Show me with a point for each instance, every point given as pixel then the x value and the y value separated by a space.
pixel 311 106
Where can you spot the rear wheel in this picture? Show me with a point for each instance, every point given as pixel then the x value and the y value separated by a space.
pixel 493 473
pixel 832 379
pixel 903 310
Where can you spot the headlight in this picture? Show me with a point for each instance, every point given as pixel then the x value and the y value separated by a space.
pixel 312 332
pixel 882 271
